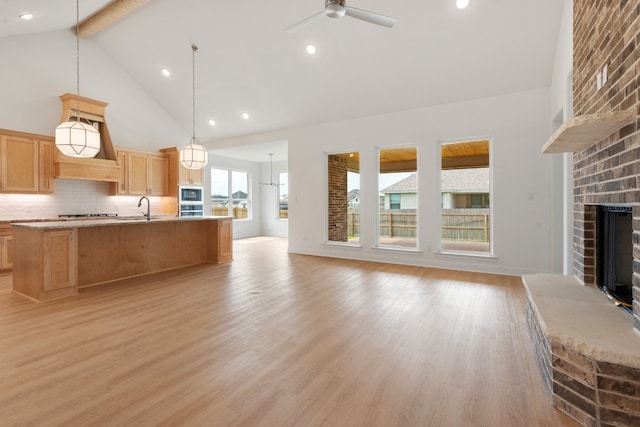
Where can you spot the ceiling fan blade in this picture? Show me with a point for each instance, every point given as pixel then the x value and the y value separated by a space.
pixel 304 22
pixel 374 18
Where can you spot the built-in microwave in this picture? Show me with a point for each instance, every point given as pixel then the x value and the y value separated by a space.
pixel 190 194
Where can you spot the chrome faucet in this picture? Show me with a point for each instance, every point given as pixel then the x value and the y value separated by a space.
pixel 148 214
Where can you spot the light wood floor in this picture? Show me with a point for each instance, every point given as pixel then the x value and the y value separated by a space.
pixel 275 340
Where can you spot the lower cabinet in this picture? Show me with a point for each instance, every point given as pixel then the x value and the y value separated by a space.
pixel 6 247
pixel 221 241
pixel 46 263
pixel 59 260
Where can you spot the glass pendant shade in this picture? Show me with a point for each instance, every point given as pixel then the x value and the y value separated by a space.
pixel 77 139
pixel 194 156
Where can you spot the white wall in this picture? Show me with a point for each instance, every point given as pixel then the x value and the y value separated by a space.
pixel 38 68
pixel 561 101
pixel 518 124
pixel 561 94
pixel 271 224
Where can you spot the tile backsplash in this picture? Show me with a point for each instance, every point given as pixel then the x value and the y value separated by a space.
pixel 72 197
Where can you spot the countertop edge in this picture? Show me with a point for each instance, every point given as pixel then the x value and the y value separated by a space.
pixel 104 222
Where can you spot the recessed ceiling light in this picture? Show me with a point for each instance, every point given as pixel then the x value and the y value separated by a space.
pixel 462 4
pixel 166 72
pixel 26 16
pixel 212 122
pixel 245 116
pixel 311 49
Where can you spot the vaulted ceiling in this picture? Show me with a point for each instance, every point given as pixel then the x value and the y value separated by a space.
pixel 435 54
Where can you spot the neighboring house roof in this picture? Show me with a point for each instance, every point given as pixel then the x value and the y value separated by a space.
pixel 407 185
pixel 474 180
pixel 353 194
pixel 239 195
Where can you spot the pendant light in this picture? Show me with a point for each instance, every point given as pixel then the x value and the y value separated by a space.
pixel 271 183
pixel 194 155
pixel 74 138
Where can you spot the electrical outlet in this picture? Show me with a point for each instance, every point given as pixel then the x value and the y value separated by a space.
pixel 605 72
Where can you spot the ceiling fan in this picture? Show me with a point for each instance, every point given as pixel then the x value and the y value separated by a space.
pixel 338 8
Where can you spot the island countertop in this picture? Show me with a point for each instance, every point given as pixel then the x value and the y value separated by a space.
pixel 106 221
pixel 54 259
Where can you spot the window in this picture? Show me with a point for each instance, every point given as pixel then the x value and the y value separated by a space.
pixel 283 196
pixel 465 187
pixel 343 191
pixel 230 193
pixel 394 201
pixel 398 190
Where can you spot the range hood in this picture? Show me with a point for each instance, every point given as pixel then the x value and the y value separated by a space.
pixel 103 167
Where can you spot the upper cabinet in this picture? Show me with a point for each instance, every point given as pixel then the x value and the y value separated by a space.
pixel 142 174
pixel 46 166
pixel 26 163
pixel 19 168
pixel 178 174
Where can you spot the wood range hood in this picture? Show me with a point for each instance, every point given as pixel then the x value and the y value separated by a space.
pixel 103 167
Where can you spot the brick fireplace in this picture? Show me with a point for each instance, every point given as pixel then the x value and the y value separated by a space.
pixel 608 172
pixel 587 348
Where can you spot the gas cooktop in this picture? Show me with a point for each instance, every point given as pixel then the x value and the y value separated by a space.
pixel 88 215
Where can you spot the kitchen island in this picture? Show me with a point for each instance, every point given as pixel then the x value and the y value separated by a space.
pixel 54 259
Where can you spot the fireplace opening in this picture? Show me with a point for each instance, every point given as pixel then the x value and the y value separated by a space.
pixel 615 253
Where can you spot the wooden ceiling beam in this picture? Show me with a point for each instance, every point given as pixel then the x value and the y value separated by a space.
pixel 108 15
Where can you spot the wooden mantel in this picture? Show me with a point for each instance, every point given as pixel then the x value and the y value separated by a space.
pixel 577 133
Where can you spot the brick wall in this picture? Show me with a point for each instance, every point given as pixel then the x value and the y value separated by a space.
pixel 337 180
pixel 608 172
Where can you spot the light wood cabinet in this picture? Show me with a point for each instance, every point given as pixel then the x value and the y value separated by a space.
pixel 45 264
pixel 46 167
pixel 138 168
pixel 6 246
pixel 142 174
pixel 158 175
pixel 59 260
pixel 121 187
pixel 178 174
pixel 189 176
pixel 221 242
pixel 19 164
pixel 26 163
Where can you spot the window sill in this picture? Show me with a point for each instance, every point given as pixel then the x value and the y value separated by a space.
pixel 475 255
pixel 356 245
pixel 398 249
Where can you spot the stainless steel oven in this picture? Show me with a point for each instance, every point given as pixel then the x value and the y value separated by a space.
pixel 191 210
pixel 190 200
